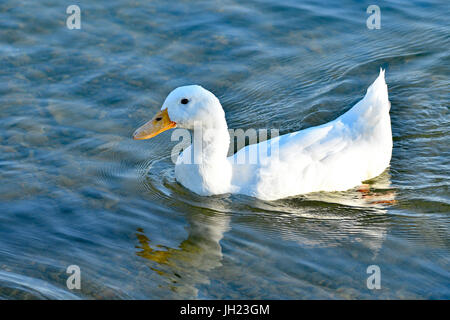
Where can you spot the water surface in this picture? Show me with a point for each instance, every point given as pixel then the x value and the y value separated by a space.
pixel 77 190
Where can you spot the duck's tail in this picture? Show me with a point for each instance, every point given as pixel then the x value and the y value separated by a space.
pixel 374 105
pixel 377 93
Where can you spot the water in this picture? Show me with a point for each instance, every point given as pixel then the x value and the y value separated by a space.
pixel 77 190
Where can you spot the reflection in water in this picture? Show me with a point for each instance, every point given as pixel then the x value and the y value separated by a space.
pixel 347 223
pixel 187 265
pixel 297 219
pixel 377 191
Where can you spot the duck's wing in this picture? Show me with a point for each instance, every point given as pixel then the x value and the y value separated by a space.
pixel 286 163
pixel 335 156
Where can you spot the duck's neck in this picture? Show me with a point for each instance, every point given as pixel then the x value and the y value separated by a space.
pixel 211 143
pixel 210 173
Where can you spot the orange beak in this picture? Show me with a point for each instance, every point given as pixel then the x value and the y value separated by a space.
pixel 160 123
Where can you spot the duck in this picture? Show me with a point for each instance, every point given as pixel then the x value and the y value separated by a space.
pixel 336 156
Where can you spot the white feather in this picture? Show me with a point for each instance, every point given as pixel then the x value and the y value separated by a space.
pixel 335 156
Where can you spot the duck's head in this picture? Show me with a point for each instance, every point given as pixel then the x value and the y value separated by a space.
pixel 185 107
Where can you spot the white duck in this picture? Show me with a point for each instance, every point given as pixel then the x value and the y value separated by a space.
pixel 335 156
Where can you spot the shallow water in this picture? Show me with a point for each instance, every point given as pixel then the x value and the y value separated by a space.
pixel 77 190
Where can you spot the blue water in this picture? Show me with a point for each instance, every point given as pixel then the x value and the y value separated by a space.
pixel 77 190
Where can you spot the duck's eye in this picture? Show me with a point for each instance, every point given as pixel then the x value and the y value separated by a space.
pixel 158 119
pixel 184 101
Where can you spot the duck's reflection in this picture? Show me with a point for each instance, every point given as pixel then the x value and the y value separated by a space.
pixel 375 192
pixel 188 265
pixel 332 219
pixel 351 219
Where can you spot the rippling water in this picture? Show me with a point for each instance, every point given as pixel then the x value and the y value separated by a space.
pixel 77 190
